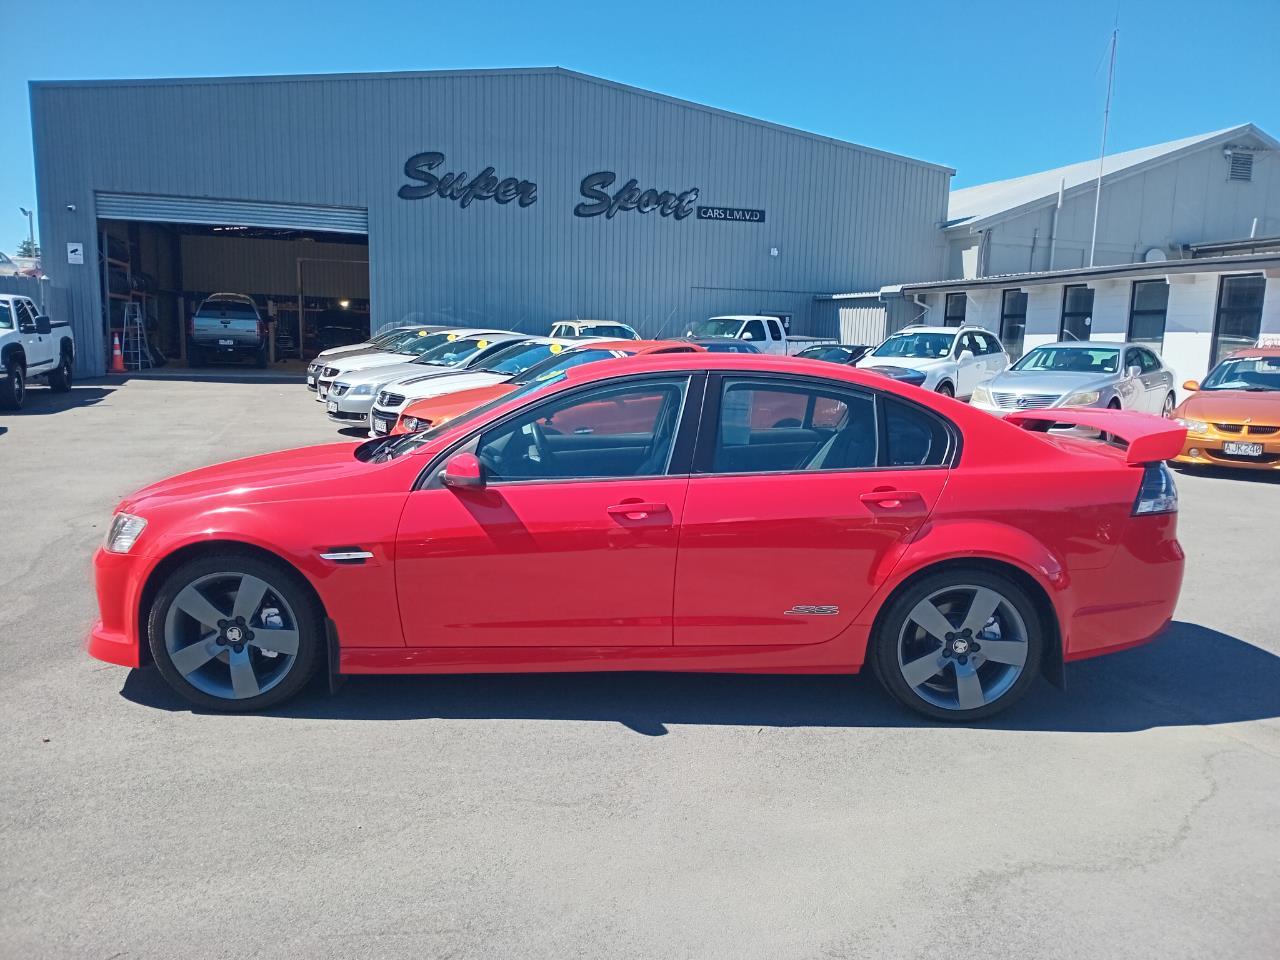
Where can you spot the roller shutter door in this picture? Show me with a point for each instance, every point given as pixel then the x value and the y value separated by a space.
pixel 238 213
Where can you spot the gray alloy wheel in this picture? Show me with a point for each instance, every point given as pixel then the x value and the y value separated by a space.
pixel 959 644
pixel 946 389
pixel 962 647
pixel 235 632
pixel 14 389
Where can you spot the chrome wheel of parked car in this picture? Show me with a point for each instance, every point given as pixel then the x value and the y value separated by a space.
pixel 962 646
pixel 1169 404
pixel 240 636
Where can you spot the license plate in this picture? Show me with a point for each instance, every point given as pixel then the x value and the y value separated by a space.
pixel 381 426
pixel 1238 449
pixel 333 406
pixel 226 343
pixel 311 381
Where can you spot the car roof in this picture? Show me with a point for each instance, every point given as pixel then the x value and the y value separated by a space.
pixel 922 328
pixel 243 297
pixel 646 346
pixel 1250 353
pixel 1087 344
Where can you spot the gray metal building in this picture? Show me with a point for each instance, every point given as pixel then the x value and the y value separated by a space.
pixel 505 197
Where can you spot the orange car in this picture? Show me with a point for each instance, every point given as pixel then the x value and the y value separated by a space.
pixel 1233 417
pixel 434 411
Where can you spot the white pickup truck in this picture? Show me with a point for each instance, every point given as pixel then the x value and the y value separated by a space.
pixel 31 347
pixel 765 332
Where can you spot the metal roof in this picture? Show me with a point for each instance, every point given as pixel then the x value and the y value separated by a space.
pixel 972 205
pixel 1260 261
pixel 509 71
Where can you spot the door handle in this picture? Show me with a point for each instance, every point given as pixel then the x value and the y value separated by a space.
pixel 890 499
pixel 636 509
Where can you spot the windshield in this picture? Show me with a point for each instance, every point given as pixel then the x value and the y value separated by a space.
pixel 1070 360
pixel 539 372
pixel 917 345
pixel 832 354
pixel 454 353
pixel 420 342
pixel 520 357
pixel 1257 374
pixel 715 327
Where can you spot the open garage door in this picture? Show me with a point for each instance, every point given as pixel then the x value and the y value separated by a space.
pixel 305 267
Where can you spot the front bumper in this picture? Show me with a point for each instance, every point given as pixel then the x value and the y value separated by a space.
pixel 1210 449
pixel 115 636
pixel 349 408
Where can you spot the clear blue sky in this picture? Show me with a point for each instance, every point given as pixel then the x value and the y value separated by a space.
pixel 993 89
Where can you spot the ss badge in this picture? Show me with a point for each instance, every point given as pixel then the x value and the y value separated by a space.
pixel 813 610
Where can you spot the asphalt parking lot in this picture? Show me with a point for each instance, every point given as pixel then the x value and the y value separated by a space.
pixel 618 816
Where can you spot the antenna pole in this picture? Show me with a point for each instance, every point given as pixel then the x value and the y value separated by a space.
pixel 1106 118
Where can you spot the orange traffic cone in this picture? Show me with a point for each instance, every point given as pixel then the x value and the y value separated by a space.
pixel 117 358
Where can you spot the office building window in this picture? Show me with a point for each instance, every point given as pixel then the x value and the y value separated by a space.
pixel 953 316
pixel 1148 306
pixel 1013 322
pixel 1077 312
pixel 1239 317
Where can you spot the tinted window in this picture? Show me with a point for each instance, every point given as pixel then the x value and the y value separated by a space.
pixel 775 329
pixel 607 330
pixel 768 426
pixel 830 354
pixel 1239 315
pixel 953 314
pixel 753 330
pixel 1150 362
pixel 916 438
pixel 619 431
pixel 1013 321
pixel 6 317
pixel 22 313
pixel 990 343
pixel 232 309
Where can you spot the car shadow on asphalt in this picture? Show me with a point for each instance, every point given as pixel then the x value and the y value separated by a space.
pixel 1190 676
pixel 43 401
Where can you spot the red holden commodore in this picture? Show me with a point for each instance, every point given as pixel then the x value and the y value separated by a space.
pixel 697 512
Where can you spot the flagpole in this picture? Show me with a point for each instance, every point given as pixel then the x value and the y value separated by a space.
pixel 1106 118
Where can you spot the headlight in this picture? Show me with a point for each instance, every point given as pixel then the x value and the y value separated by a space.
pixel 362 390
pixel 124 532
pixel 980 395
pixel 1194 426
pixel 413 424
pixel 1084 398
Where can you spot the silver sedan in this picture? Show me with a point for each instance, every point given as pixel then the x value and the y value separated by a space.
pixel 1087 373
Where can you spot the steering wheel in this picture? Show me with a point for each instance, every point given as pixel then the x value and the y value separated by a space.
pixel 545 456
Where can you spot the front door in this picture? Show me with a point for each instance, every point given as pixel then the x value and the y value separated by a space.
pixel 572 542
pixel 971 364
pixel 792 523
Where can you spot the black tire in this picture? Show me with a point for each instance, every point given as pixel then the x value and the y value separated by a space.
pixel 195 356
pixel 60 378
pixel 284 583
pixel 13 388
pixel 1170 403
pixel 946 389
pixel 893 621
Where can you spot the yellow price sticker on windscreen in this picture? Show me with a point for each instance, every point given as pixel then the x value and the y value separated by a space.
pixel 557 347
pixel 452 337
pixel 482 344
pixel 422 333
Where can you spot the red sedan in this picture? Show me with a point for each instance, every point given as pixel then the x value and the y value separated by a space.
pixel 707 512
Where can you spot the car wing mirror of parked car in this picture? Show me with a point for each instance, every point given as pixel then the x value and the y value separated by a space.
pixel 966 354
pixel 43 326
pixel 1191 385
pixel 1135 372
pixel 463 471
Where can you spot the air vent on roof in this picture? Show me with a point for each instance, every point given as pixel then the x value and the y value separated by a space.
pixel 1241 166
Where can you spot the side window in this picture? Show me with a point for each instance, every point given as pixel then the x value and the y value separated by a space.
pixel 754 330
pixel 991 344
pixel 625 430
pixel 1150 362
pixel 1131 359
pixel 969 342
pixel 21 313
pixel 775 330
pixel 769 426
pixel 915 438
pixel 6 317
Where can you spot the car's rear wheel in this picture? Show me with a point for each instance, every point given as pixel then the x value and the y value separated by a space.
pixel 13 387
pixel 234 632
pixel 946 389
pixel 60 378
pixel 962 644
pixel 1169 403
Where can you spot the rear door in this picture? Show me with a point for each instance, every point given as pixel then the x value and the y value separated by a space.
pixel 572 542
pixel 803 497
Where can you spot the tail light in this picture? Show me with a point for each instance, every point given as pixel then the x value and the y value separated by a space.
pixel 1158 493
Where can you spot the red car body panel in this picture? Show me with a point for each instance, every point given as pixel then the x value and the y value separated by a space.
pixel 550 576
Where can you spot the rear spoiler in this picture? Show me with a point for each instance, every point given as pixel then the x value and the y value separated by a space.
pixel 1147 438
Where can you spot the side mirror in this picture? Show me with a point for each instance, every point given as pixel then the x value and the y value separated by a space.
pixel 966 354
pixel 747 336
pixel 1191 385
pixel 463 471
pixel 43 326
pixel 1135 372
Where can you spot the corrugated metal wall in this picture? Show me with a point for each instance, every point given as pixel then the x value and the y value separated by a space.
pixel 840 217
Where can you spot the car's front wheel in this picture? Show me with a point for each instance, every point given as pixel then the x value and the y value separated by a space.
pixel 235 632
pixel 13 386
pixel 961 644
pixel 1169 403
pixel 946 389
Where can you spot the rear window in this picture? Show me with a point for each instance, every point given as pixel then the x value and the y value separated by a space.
pixel 229 309
pixel 915 438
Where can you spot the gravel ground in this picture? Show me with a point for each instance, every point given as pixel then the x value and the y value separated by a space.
pixel 618 816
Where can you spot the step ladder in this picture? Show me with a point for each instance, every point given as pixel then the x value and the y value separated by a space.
pixel 134 347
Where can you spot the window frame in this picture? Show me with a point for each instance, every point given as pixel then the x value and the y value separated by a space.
pixel 1223 279
pixel 1006 315
pixel 1135 312
pixel 678 464
pixel 774 326
pixel 963 295
pixel 1062 311
pixel 708 430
